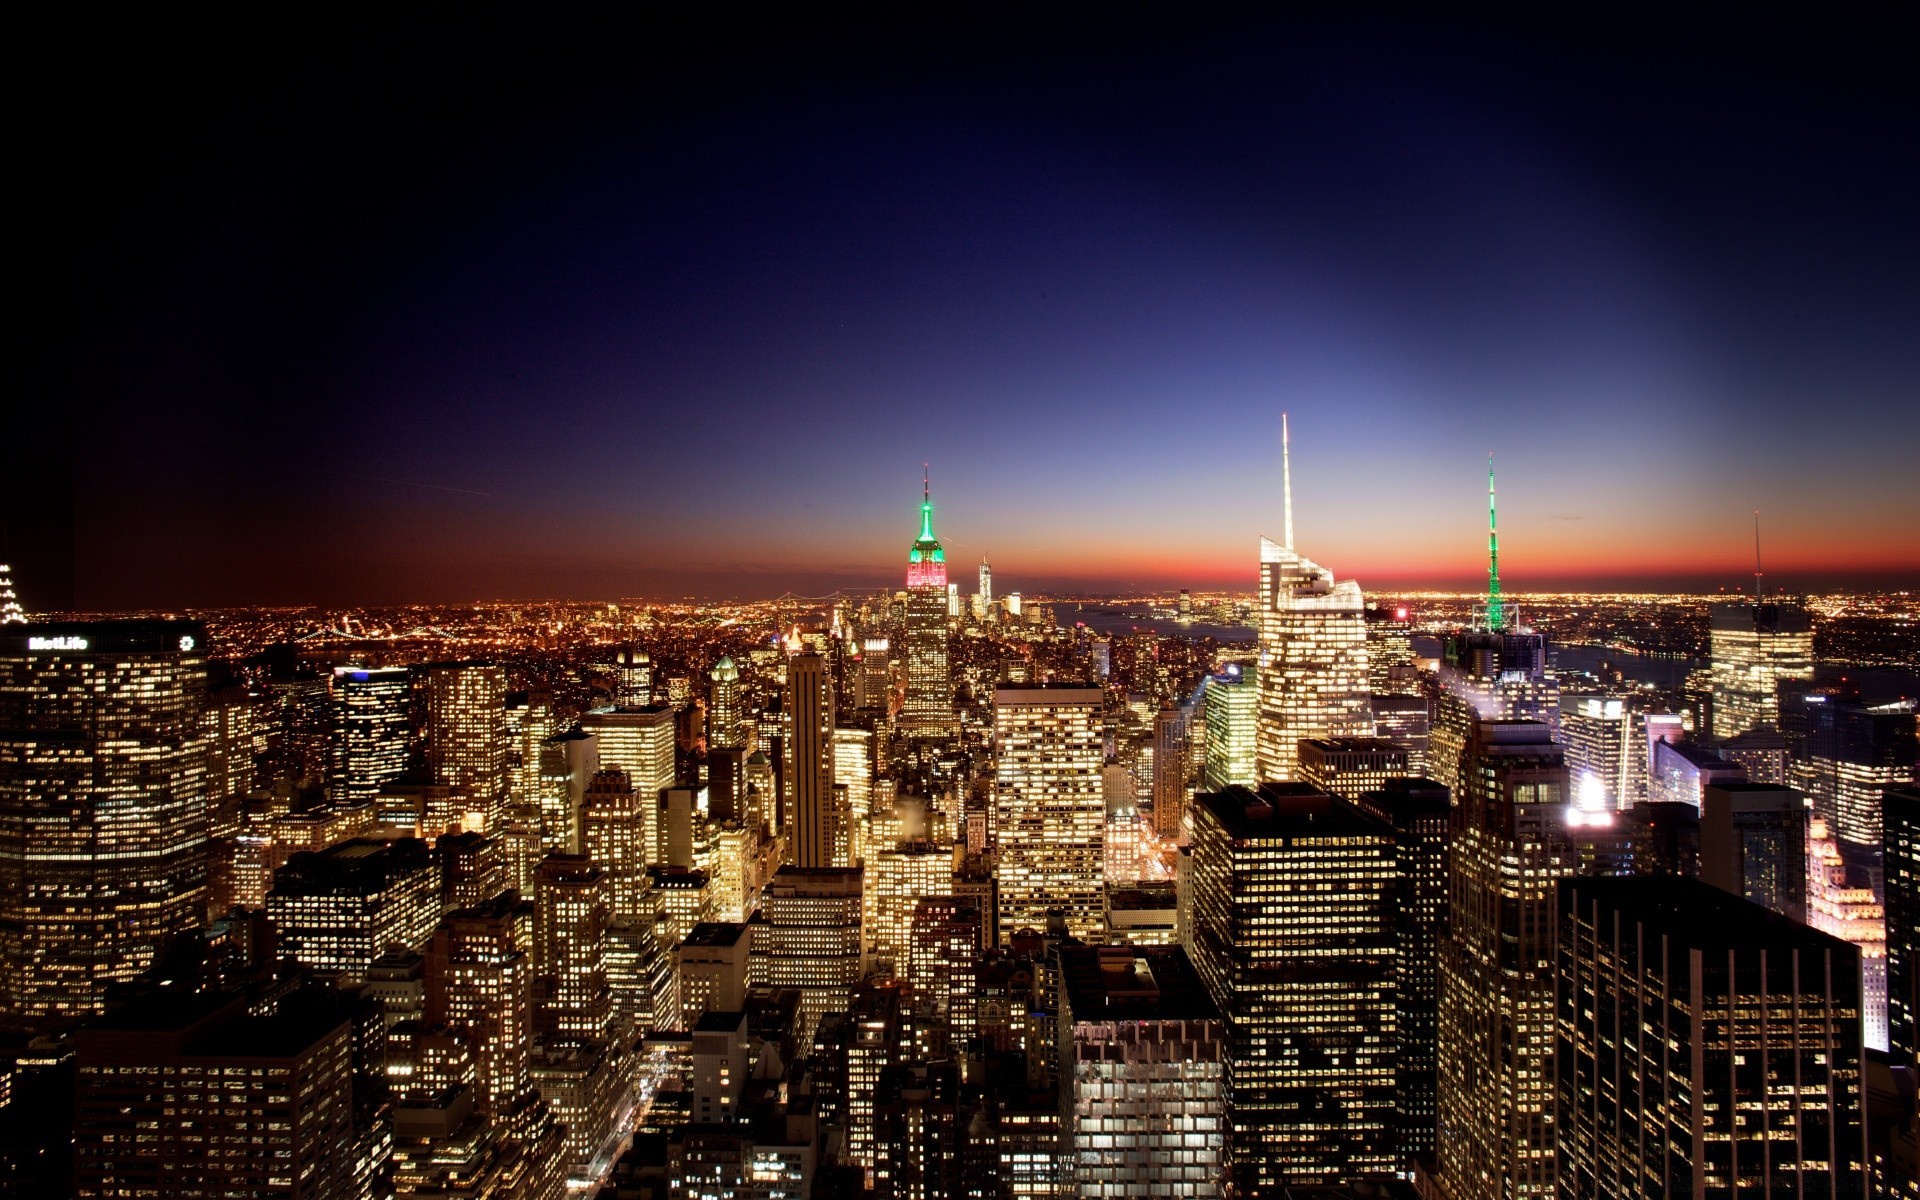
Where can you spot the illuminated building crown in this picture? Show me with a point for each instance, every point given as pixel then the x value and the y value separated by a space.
pixel 926 561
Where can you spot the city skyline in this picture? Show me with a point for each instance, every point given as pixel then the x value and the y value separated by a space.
pixel 684 315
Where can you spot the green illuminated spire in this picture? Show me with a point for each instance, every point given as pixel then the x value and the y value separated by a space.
pixel 926 506
pixel 1496 615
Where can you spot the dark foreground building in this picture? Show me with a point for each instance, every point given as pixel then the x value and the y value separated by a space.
pixel 1706 1047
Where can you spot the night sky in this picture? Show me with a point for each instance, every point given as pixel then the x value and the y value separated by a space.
pixel 451 311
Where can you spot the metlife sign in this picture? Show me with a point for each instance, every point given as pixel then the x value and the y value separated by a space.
pixel 104 637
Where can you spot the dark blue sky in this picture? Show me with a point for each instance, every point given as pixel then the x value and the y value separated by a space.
pixel 451 312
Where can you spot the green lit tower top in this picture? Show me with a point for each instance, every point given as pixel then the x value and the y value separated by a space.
pixel 1496 610
pixel 927 562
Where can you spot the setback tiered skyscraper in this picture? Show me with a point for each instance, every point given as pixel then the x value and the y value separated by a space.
pixel 1051 809
pixel 103 805
pixel 1706 1047
pixel 1313 650
pixel 1293 933
pixel 928 710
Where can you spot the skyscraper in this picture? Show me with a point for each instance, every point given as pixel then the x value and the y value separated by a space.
pixel 1753 844
pixel 1348 766
pixel 1511 839
pixel 640 741
pixel 1169 772
pixel 1303 972
pixel 632 678
pixel 1232 707
pixel 1853 754
pixel 1313 656
pixel 929 705
pixel 368 744
pixel 480 984
pixel 12 614
pixel 1705 1047
pixel 103 805
pixel 1598 731
pixel 1143 1062
pixel 1418 810
pixel 1050 809
pixel 816 836
pixel 571 895
pixel 809 939
pixel 1754 648
pixel 1841 901
pixel 1498 670
pixel 613 828
pixel 467 736
pixel 336 910
pixel 723 706
pixel 986 585
pixel 1900 814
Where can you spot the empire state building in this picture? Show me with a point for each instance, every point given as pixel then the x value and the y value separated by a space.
pixel 928 710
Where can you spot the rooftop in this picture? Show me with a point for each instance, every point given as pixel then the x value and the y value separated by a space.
pixel 1696 915
pixel 1286 810
pixel 1133 983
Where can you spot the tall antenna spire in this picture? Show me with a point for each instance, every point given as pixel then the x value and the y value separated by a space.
pixel 1496 614
pixel 1286 476
pixel 1756 556
pixel 926 504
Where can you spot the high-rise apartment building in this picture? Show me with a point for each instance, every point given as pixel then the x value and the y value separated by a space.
pixel 816 832
pixel 1232 708
pixel 1143 1053
pixel 1753 844
pixel 809 938
pixel 1754 648
pixel 1705 1047
pixel 986 586
pixel 1348 766
pixel 336 910
pixel 1292 930
pixel 368 743
pixel 1512 838
pixel 1050 813
pixel 467 736
pixel 928 710
pixel 1170 749
pixel 943 963
pixel 1418 811
pixel 103 805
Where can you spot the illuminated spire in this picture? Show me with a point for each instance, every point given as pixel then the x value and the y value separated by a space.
pixel 926 504
pixel 10 610
pixel 1286 478
pixel 1496 615
pixel 1756 556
